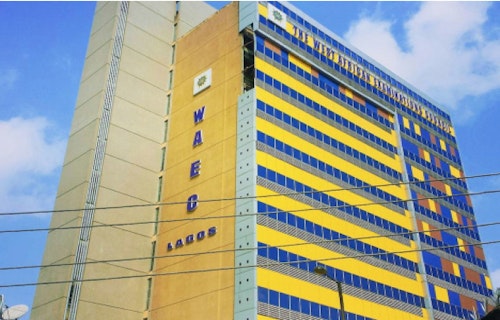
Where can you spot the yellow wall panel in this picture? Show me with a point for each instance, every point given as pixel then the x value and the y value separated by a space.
pixel 488 282
pixel 317 253
pixel 456 269
pixel 455 172
pixel 426 228
pixel 448 189
pixel 406 123
pixel 417 173
pixel 317 216
pixel 339 193
pixel 327 157
pixel 417 128
pixel 441 294
pixel 348 93
pixel 442 143
pixel 432 205
pixel 326 102
pixel 340 135
pixel 454 216
pixel 461 244
pixel 301 64
pixel 299 288
pixel 427 156
pixel 452 131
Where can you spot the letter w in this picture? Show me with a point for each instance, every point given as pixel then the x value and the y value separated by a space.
pixel 199 115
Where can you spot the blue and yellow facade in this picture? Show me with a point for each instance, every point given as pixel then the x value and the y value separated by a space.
pixel 288 150
pixel 354 170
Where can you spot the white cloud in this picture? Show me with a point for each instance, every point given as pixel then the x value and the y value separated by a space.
pixel 448 55
pixel 29 159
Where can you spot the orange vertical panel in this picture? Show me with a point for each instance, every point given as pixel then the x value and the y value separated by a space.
pixel 447 265
pixel 468 303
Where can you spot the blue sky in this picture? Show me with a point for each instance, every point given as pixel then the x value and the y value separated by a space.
pixel 449 50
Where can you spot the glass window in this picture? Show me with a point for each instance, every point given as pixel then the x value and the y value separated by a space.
pixel 273 298
pixel 263 294
pixel 284 301
pixel 305 306
pixel 295 304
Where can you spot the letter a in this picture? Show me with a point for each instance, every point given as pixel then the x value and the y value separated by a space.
pixel 198 138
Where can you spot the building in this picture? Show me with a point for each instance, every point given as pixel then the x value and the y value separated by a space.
pixel 223 158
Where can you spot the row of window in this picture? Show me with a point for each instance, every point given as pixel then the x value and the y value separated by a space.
pixel 328 169
pixel 447 221
pixel 455 310
pixel 330 235
pixel 409 146
pixel 456 199
pixel 303 306
pixel 454 251
pixel 344 50
pixel 431 167
pixel 427 135
pixel 458 281
pixel 295 42
pixel 282 57
pixel 328 86
pixel 313 105
pixel 456 183
pixel 332 202
pixel 347 278
pixel 326 139
pixel 454 158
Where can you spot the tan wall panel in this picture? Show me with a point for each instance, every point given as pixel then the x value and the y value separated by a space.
pixel 81 141
pixel 138 120
pixel 75 172
pixel 134 217
pixel 86 113
pixel 116 243
pixel 129 179
pixel 101 35
pixel 141 93
pixel 97 59
pixel 148 45
pixel 92 86
pixel 105 11
pixel 137 64
pixel 49 311
pixel 150 21
pixel 103 295
pixel 165 9
pixel 132 148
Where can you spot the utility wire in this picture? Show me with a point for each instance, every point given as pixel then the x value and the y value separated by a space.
pixel 190 219
pixel 253 248
pixel 249 197
pixel 264 265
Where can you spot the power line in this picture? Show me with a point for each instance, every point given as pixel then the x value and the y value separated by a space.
pixel 235 267
pixel 190 219
pixel 249 197
pixel 255 248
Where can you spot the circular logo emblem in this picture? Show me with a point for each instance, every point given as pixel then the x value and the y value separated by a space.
pixel 202 80
pixel 277 15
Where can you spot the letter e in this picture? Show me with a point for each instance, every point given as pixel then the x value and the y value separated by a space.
pixel 195 169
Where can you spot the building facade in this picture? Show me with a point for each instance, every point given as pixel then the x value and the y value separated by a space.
pixel 224 158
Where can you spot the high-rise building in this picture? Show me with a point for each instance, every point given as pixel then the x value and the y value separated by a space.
pixel 250 164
